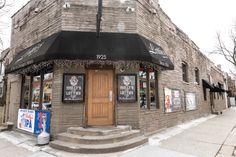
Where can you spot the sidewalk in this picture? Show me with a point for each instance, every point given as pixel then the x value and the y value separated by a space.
pixel 204 137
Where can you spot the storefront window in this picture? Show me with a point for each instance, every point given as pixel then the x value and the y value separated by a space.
pixel 35 92
pixel 143 88
pixel 147 88
pixel 47 91
pixel 152 87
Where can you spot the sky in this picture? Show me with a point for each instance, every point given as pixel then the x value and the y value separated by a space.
pixel 199 19
pixel 5 20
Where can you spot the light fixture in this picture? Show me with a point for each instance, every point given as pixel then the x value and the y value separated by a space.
pixel 16 26
pixel 66 5
pixel 36 10
pixel 130 9
pixel 153 11
pixel 122 69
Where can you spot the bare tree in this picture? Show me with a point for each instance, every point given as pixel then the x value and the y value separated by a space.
pixel 227 48
pixel 5 6
pixel 2 3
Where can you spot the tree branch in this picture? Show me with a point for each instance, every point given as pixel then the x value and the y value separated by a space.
pixel 3 4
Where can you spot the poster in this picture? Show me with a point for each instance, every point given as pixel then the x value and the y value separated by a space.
pixel 190 99
pixel 172 100
pixel 127 91
pixel 73 87
pixel 176 100
pixel 26 120
pixel 42 117
pixel 232 101
pixel 168 100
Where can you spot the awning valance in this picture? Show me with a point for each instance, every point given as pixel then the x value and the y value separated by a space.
pixel 217 89
pixel 206 84
pixel 86 46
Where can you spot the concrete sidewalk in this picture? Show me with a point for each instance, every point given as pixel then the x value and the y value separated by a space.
pixel 214 137
pixel 204 137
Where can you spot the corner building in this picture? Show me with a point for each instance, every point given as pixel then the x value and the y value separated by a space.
pixel 123 63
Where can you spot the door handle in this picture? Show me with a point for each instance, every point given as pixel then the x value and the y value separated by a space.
pixel 110 95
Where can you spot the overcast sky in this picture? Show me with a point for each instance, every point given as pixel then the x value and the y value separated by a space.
pixel 5 20
pixel 199 19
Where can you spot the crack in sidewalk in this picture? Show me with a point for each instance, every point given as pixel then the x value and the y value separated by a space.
pixel 218 152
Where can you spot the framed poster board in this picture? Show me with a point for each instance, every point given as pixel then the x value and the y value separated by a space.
pixel 26 120
pixel 127 87
pixel 190 101
pixel 73 88
pixel 172 100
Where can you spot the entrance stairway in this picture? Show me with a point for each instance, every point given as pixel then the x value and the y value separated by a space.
pixel 6 126
pixel 102 139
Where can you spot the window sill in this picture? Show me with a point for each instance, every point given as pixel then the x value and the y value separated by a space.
pixel 185 82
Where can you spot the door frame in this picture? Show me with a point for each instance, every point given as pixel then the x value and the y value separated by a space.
pixel 98 67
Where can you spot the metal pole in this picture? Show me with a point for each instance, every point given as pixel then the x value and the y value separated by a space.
pixel 99 17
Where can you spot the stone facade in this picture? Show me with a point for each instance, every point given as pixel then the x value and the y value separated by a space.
pixel 144 17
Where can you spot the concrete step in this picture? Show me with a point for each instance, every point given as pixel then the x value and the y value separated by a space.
pixel 96 149
pixel 98 130
pixel 8 125
pixel 111 138
pixel 3 128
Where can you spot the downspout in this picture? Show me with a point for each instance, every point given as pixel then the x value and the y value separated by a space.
pixel 99 18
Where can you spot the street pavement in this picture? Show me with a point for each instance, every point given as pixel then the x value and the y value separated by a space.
pixel 211 136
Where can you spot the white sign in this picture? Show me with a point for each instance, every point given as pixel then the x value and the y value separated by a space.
pixel 26 120
pixel 190 101
pixel 232 101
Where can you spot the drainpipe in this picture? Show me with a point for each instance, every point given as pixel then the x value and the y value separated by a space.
pixel 99 18
pixel 4 97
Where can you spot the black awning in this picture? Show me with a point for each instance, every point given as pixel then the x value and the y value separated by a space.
pixel 86 46
pixel 217 89
pixel 206 84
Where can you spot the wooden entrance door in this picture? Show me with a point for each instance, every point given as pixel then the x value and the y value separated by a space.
pixel 100 97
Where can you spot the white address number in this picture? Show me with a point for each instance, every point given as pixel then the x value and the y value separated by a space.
pixel 101 57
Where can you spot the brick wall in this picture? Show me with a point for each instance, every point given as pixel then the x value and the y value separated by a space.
pixel 29 27
pixel 159 28
pixel 64 115
pixel 115 18
pixel 127 113
pixel 148 20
